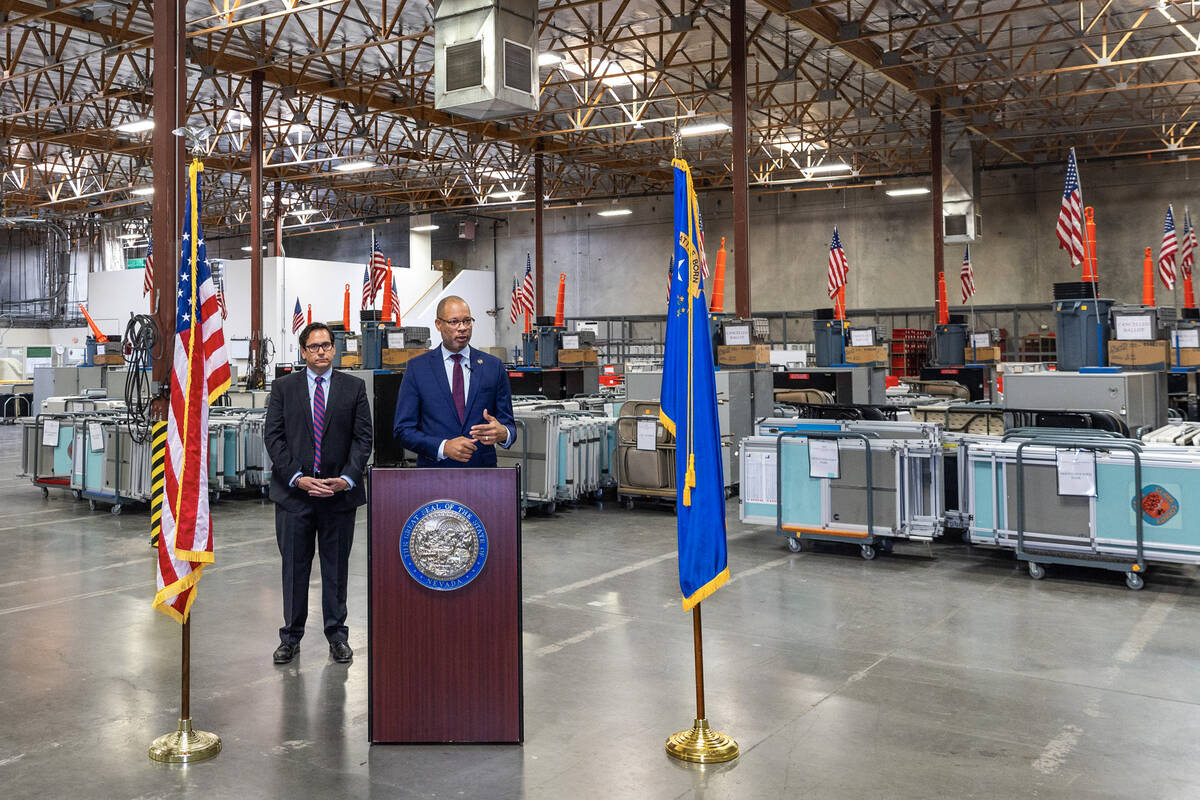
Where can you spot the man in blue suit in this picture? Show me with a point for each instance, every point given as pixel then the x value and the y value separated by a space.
pixel 455 405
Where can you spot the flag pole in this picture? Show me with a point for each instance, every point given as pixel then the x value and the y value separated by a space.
pixel 700 744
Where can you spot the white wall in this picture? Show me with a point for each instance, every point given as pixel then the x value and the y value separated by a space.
pixel 477 288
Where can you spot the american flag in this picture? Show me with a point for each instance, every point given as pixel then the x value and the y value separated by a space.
pixel 148 273
pixel 839 267
pixel 1189 246
pixel 1070 216
pixel 1166 253
pixel 379 268
pixel 967 275
pixel 297 317
pixel 219 281
pixel 395 302
pixel 368 295
pixel 700 244
pixel 525 294
pixel 513 304
pixel 199 375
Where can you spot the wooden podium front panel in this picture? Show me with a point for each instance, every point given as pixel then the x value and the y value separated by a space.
pixel 445 666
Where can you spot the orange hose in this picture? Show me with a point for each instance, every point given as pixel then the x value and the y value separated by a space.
pixel 942 303
pixel 346 309
pixel 839 303
pixel 559 312
pixel 1148 279
pixel 1091 269
pixel 1189 297
pixel 387 294
pixel 310 313
pixel 718 286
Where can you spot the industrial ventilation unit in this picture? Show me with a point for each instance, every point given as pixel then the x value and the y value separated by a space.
pixel 961 220
pixel 485 57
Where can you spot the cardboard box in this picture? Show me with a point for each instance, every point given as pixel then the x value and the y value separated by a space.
pixel 583 355
pixel 873 356
pixel 983 355
pixel 109 359
pixel 351 360
pixel 501 353
pixel 743 356
pixel 1131 355
pixel 1184 357
pixel 397 357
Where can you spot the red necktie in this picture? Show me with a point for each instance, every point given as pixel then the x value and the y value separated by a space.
pixel 318 424
pixel 458 390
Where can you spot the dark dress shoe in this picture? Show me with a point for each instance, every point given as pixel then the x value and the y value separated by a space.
pixel 341 652
pixel 285 652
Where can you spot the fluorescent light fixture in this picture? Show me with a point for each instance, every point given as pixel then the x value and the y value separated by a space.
pixel 422 228
pixel 549 59
pixel 513 195
pixel 907 191
pixel 247 248
pixel 303 214
pixel 136 126
pixel 354 166
pixel 701 128
pixel 832 166
pixel 142 191
pixel 614 212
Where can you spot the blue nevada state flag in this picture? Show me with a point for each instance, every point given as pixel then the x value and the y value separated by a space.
pixel 689 408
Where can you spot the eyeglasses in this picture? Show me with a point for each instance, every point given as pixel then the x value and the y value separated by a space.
pixel 465 322
pixel 319 347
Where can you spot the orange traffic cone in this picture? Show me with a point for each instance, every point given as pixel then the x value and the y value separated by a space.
pixel 718 286
pixel 1148 279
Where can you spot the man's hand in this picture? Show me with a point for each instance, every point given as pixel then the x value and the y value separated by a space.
pixel 490 431
pixel 460 448
pixel 336 484
pixel 315 487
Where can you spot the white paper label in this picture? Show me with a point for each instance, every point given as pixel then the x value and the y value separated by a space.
pixel 737 334
pixel 351 345
pixel 647 434
pixel 823 458
pixel 594 327
pixel 395 340
pixel 1131 328
pixel 50 432
pixel 862 338
pixel 96 436
pixel 570 341
pixel 758 478
pixel 1076 472
pixel 1188 337
pixel 981 339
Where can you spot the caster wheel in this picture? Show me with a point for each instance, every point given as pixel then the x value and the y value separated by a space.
pixel 795 545
pixel 91 505
pixel 78 495
pixel 885 545
pixel 868 552
pixel 524 513
pixel 1036 571
pixel 629 505
pixel 550 509
pixel 1134 581
pixel 45 493
pixel 116 511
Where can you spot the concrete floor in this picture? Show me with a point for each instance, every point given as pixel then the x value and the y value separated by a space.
pixel 907 677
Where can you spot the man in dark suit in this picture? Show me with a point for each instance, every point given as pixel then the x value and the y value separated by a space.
pixel 318 433
pixel 455 405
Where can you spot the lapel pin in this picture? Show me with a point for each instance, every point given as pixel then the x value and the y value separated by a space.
pixel 479 361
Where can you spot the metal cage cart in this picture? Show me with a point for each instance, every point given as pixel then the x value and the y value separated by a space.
pixel 115 469
pixel 47 450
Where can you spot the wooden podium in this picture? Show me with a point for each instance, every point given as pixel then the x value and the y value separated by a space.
pixel 444 663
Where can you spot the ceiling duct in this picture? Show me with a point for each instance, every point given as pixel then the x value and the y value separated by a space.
pixel 961 220
pixel 485 57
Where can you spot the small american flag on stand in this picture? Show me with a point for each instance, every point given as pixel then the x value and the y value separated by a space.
pixel 1166 253
pixel 367 296
pixel 199 375
pixel 148 274
pixel 379 268
pixel 1188 248
pixel 395 302
pixel 297 317
pixel 1070 215
pixel 514 304
pixel 839 267
pixel 526 291
pixel 967 276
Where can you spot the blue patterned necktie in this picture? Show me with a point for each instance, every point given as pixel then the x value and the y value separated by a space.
pixel 318 423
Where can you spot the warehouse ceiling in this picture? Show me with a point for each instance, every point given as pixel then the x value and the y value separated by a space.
pixel 838 91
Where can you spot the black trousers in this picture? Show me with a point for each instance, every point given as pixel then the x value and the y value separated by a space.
pixel 300 533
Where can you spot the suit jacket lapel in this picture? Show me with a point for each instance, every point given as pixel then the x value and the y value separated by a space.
pixel 438 365
pixel 476 380
pixel 306 402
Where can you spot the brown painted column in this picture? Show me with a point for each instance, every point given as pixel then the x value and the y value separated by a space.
pixel 935 169
pixel 539 206
pixel 741 185
pixel 256 192
pixel 167 151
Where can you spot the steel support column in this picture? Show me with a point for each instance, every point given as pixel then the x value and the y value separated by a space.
pixel 935 170
pixel 168 153
pixel 256 209
pixel 539 206
pixel 278 219
pixel 741 187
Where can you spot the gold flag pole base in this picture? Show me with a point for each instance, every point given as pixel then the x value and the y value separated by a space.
pixel 185 745
pixel 702 745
